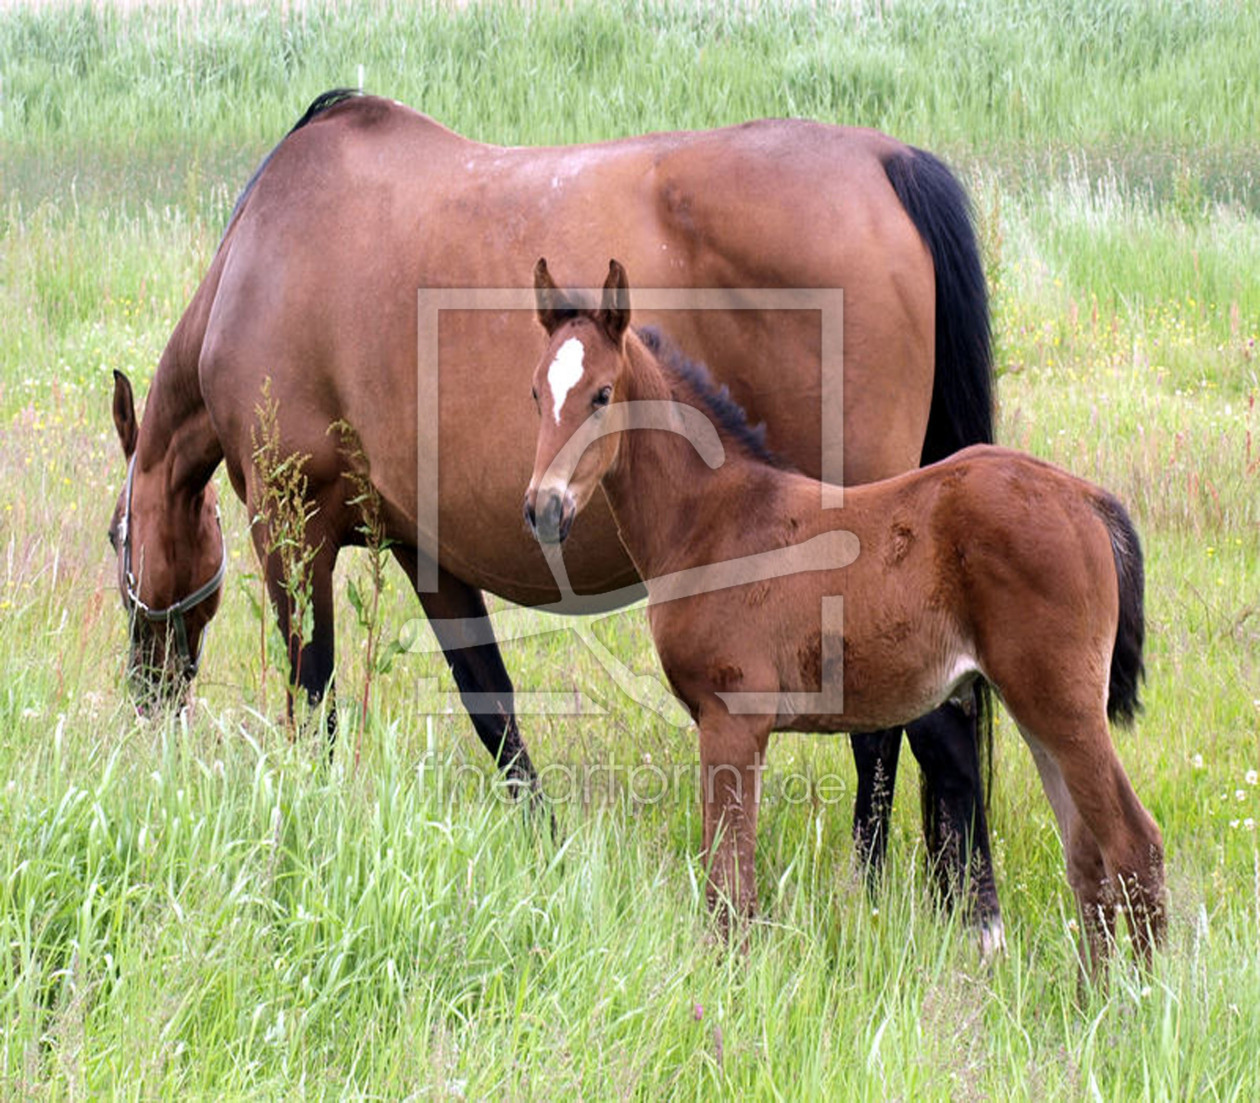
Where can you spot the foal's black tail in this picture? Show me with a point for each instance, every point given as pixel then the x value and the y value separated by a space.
pixel 961 413
pixel 1127 667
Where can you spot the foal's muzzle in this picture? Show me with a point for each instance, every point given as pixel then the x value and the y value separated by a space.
pixel 549 514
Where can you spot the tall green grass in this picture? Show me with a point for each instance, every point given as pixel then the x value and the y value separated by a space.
pixel 200 908
pixel 192 910
pixel 936 70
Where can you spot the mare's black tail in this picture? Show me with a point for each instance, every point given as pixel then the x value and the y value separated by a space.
pixel 962 390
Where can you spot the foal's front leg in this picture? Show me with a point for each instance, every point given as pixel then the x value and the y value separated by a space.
pixel 732 758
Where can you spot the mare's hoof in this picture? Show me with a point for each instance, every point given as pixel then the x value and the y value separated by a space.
pixel 992 939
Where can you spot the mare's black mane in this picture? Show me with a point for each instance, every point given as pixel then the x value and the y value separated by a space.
pixel 729 414
pixel 325 101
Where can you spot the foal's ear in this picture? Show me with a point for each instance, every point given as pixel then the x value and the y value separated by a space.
pixel 614 308
pixel 552 306
pixel 125 414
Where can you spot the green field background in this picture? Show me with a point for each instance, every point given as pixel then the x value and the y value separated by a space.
pixel 197 908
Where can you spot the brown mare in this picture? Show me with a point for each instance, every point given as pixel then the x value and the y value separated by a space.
pixel 314 286
pixel 988 565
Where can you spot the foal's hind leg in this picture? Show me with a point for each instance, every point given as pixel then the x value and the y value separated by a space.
pixel 1114 850
pixel 458 615
pixel 1086 873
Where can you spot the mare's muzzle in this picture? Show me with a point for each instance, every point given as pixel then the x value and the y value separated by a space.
pixel 150 680
pixel 549 514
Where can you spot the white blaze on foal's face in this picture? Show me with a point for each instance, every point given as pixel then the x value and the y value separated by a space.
pixel 565 371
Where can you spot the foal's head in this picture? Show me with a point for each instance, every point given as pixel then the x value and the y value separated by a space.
pixel 574 384
pixel 170 567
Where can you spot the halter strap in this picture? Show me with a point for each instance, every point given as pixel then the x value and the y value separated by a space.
pixel 172 614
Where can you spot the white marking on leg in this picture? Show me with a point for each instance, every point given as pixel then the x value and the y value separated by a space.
pixel 992 939
pixel 565 371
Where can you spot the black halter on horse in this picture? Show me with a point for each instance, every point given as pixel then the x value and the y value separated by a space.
pixel 172 614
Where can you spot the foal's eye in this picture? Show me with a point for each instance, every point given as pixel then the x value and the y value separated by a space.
pixel 112 537
pixel 602 397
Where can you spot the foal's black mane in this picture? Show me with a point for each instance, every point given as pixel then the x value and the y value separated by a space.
pixel 325 101
pixel 696 377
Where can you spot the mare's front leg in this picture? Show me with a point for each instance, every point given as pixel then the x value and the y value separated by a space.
pixel 946 743
pixel 458 615
pixel 310 660
pixel 732 757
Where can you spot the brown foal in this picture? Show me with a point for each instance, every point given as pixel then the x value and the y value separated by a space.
pixel 791 617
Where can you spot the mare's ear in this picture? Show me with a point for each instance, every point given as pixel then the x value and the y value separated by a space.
pixel 125 414
pixel 614 308
pixel 552 307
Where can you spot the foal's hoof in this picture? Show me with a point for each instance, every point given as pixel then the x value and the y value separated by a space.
pixel 730 929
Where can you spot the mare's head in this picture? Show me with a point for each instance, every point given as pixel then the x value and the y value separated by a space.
pixel 574 384
pixel 171 560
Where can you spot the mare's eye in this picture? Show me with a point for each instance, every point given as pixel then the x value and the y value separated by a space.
pixel 602 397
pixel 533 392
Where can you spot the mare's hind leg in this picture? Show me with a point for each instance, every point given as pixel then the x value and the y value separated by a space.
pixel 1114 850
pixel 955 829
pixel 458 615
pixel 875 758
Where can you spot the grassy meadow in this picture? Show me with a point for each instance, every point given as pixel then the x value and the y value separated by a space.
pixel 197 908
